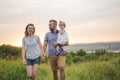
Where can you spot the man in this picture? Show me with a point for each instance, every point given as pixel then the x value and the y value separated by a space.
pixel 56 62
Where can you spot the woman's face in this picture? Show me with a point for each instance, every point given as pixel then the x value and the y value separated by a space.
pixel 30 30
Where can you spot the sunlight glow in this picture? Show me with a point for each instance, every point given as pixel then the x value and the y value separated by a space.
pixel 18 43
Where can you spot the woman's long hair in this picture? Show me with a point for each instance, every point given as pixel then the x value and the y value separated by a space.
pixel 26 33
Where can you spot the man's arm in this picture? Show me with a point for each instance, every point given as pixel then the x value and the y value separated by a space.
pixel 45 46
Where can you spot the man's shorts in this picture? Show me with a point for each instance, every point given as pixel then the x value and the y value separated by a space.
pixel 57 62
pixel 33 61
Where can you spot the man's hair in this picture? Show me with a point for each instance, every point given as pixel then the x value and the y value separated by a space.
pixel 52 20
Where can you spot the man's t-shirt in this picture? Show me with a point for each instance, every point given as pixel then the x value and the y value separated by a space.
pixel 51 37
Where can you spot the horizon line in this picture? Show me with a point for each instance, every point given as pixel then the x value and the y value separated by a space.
pixel 69 44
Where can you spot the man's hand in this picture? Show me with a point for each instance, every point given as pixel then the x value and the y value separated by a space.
pixel 55 43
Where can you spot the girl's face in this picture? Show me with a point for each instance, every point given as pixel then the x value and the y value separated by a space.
pixel 30 30
pixel 61 26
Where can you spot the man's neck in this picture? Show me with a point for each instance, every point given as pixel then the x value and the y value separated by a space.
pixel 55 30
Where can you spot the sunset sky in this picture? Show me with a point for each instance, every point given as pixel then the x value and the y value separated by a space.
pixel 87 21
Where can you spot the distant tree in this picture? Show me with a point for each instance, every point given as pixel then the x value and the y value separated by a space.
pixel 100 51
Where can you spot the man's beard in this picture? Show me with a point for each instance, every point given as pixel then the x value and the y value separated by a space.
pixel 52 30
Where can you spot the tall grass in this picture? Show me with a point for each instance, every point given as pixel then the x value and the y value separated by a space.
pixel 95 70
pixel 98 69
pixel 12 70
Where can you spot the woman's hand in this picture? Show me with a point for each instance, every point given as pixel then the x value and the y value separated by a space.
pixel 24 61
pixel 43 59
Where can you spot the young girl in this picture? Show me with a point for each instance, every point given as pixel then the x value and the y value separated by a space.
pixel 62 39
pixel 31 45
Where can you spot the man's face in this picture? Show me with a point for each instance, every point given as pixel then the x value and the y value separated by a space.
pixel 52 26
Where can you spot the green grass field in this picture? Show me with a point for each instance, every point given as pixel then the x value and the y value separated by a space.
pixel 97 69
pixel 101 65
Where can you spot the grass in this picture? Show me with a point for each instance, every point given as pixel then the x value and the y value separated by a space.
pixel 98 69
pixel 12 70
pixel 95 70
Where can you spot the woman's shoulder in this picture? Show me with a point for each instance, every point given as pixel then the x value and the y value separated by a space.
pixel 24 38
pixel 36 36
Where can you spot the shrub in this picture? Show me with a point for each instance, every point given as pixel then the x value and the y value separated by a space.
pixel 9 52
pixel 100 52
pixel 80 52
pixel 72 53
pixel 69 59
pixel 76 59
pixel 90 56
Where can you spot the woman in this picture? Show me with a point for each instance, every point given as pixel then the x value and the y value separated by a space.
pixel 31 48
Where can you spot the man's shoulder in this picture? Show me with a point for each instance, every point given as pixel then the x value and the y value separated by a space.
pixel 48 33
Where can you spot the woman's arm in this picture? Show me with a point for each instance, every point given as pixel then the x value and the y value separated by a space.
pixel 23 52
pixel 40 46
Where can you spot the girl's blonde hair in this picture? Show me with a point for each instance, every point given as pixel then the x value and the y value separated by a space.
pixel 61 22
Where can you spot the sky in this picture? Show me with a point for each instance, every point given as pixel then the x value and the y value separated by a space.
pixel 87 21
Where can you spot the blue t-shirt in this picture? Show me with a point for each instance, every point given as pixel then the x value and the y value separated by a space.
pixel 51 37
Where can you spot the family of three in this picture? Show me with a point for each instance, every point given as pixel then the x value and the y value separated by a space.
pixel 32 48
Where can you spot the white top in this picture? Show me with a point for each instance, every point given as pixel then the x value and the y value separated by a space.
pixel 62 38
pixel 32 51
